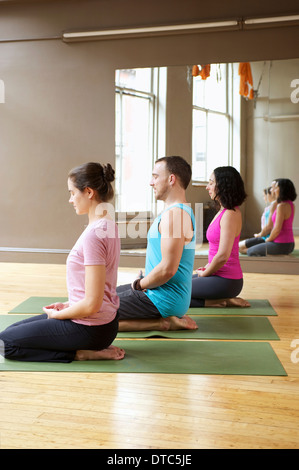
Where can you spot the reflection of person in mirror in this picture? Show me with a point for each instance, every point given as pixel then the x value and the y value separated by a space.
pixel 219 282
pixel 84 327
pixel 281 239
pixel 266 222
pixel 160 299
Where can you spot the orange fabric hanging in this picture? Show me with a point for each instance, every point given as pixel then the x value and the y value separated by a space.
pixel 205 71
pixel 246 83
pixel 195 70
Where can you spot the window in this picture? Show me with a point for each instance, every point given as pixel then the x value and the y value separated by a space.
pixel 137 122
pixel 212 142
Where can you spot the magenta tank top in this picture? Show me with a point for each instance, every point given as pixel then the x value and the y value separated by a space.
pixel 232 268
pixel 286 234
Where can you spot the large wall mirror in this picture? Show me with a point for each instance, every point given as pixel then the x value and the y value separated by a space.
pixel 175 110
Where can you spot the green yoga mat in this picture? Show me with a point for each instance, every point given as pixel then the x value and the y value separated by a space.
pixel 34 305
pixel 173 357
pixel 258 307
pixel 226 328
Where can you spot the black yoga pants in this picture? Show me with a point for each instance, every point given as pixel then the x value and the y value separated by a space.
pixel 39 339
pixel 271 248
pixel 254 241
pixel 213 287
pixel 135 304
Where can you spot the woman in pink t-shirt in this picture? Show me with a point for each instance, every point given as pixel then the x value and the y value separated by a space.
pixel 221 280
pixel 84 327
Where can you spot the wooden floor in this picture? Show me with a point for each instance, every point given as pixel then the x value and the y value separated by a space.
pixel 134 411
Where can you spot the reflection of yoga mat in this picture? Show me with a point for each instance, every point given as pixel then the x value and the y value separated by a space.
pixel 226 328
pixel 173 357
pixel 36 304
pixel 295 253
pixel 257 307
pixel 245 328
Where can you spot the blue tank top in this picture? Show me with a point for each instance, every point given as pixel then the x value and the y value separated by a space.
pixel 173 297
pixel 265 218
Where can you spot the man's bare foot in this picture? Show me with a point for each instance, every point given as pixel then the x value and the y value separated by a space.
pixel 233 302
pixel 237 302
pixel 111 353
pixel 215 303
pixel 184 323
pixel 159 324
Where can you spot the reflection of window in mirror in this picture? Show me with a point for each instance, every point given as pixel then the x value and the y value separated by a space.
pixel 216 121
pixel 140 112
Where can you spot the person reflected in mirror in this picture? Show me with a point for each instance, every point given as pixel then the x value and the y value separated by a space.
pixel 281 239
pixel 219 282
pixel 266 222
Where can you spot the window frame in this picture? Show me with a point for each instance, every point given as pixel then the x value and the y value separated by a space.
pixel 157 123
pixel 124 91
pixel 228 114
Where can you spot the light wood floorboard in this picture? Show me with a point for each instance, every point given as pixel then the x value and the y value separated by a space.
pixel 134 411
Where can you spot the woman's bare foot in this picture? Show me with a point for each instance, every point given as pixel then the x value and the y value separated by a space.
pixel 184 323
pixel 237 302
pixel 112 353
pixel 242 247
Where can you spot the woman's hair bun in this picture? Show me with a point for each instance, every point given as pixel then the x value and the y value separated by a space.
pixel 108 172
pixel 96 176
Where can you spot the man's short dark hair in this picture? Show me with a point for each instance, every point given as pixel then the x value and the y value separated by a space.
pixel 179 167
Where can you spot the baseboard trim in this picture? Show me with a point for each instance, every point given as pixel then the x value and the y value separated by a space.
pixel 9 249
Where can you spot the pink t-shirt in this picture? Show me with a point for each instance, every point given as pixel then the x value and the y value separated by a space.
pixel 286 234
pixel 99 244
pixel 232 268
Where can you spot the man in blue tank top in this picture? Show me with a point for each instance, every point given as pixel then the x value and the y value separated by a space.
pixel 160 299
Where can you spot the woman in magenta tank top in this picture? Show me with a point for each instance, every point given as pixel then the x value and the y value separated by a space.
pixel 221 280
pixel 281 239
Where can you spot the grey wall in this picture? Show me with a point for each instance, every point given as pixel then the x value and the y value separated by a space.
pixel 59 98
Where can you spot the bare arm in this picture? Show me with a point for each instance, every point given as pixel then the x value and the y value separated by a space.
pixel 267 229
pixel 175 229
pixel 94 293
